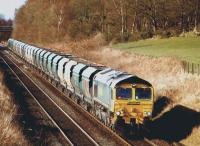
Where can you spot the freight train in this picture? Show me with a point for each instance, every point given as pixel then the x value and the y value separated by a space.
pixel 106 93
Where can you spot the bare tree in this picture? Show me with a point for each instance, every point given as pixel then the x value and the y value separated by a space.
pixel 134 26
pixel 150 10
pixel 59 9
pixel 121 7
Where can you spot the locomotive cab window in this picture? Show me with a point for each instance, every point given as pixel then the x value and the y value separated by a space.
pixel 143 93
pixel 123 93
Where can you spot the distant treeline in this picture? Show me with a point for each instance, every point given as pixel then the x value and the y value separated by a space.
pixel 4 22
pixel 122 20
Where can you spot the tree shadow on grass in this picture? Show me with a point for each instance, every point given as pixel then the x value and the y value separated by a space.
pixel 160 104
pixel 174 125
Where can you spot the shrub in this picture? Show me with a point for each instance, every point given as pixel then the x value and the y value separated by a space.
pixel 146 34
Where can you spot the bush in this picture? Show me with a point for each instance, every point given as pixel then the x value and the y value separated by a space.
pixel 135 36
pixel 146 34
pixel 73 29
pixel 166 34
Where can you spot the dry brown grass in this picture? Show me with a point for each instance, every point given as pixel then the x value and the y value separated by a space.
pixel 193 139
pixel 165 73
pixel 10 132
pixel 81 48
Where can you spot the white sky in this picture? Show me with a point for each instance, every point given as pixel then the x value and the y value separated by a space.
pixel 7 7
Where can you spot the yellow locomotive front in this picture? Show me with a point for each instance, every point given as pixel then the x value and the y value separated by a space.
pixel 133 103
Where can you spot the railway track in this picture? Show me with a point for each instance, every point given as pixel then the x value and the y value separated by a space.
pixel 59 118
pixel 73 130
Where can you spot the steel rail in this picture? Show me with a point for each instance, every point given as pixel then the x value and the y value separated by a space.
pixel 51 119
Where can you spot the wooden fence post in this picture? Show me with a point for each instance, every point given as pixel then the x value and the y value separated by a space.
pixel 192 68
pixel 184 66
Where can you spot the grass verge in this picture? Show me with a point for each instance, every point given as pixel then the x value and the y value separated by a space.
pixel 186 48
pixel 10 132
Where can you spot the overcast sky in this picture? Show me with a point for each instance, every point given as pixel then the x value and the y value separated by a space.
pixel 7 7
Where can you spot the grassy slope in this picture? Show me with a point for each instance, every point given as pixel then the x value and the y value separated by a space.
pixel 11 134
pixel 185 48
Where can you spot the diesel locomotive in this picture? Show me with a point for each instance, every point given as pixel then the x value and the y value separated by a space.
pixel 106 93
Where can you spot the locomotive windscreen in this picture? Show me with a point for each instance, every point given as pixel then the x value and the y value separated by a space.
pixel 143 93
pixel 124 93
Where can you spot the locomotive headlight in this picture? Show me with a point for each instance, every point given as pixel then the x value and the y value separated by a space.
pixel 118 113
pixel 147 113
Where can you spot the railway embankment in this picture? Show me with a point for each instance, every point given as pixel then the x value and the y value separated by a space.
pixel 11 133
pixel 24 123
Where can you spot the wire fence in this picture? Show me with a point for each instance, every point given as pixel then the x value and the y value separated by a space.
pixel 192 68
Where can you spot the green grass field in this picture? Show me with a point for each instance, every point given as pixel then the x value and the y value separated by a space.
pixel 185 48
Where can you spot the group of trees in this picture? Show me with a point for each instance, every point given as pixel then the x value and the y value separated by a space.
pixel 50 20
pixel 4 22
